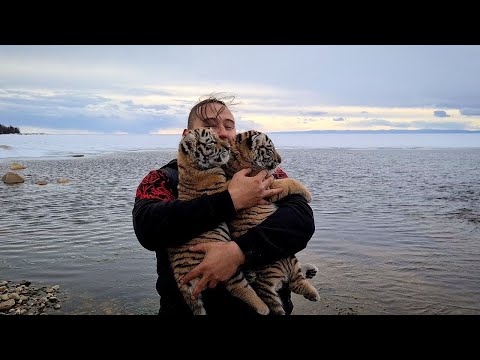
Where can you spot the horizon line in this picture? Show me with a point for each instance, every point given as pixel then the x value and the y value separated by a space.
pixel 391 131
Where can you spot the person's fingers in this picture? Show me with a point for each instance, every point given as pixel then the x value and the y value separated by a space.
pixel 263 202
pixel 212 284
pixel 272 192
pixel 262 175
pixel 245 171
pixel 196 272
pixel 268 181
pixel 200 286
pixel 198 248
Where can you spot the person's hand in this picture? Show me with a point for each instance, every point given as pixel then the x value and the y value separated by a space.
pixel 221 261
pixel 247 191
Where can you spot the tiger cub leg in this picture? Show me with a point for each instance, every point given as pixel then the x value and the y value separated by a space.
pixel 182 262
pixel 267 281
pixel 239 287
pixel 289 186
pixel 196 305
pixel 299 285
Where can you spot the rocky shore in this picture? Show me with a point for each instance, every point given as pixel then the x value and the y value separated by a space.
pixel 23 299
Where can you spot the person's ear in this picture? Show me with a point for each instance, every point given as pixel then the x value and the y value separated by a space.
pixel 185 132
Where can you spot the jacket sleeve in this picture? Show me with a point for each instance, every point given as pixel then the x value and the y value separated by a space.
pixel 284 233
pixel 160 220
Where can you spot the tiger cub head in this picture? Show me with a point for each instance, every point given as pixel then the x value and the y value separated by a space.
pixel 203 149
pixel 252 149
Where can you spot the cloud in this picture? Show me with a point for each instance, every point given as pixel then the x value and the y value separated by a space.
pixel 314 113
pixel 384 76
pixel 470 112
pixel 48 99
pixel 86 112
pixel 409 124
pixel 147 92
pixel 338 119
pixel 167 131
pixel 132 106
pixel 440 113
pixel 306 120
pixel 244 124
pixel 54 131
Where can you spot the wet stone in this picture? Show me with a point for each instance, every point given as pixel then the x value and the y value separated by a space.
pixel 40 300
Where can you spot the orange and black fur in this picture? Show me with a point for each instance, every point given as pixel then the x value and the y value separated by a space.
pixel 200 156
pixel 253 149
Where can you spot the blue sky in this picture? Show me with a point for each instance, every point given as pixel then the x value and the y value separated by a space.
pixel 150 89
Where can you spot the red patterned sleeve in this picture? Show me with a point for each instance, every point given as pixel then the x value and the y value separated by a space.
pixel 156 185
pixel 280 174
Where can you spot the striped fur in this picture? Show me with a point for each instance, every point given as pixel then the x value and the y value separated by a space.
pixel 200 155
pixel 255 149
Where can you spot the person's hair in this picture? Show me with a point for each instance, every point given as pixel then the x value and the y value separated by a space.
pixel 199 110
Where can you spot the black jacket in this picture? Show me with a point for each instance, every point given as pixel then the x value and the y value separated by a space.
pixel 160 221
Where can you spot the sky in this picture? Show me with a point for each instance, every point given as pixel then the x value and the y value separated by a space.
pixel 150 89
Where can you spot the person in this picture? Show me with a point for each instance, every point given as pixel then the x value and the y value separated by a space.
pixel 161 221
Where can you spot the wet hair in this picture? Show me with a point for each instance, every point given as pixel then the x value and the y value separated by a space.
pixel 199 110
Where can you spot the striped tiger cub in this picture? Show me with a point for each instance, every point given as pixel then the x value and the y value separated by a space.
pixel 200 156
pixel 256 150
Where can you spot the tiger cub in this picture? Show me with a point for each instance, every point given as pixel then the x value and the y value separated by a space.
pixel 200 154
pixel 256 150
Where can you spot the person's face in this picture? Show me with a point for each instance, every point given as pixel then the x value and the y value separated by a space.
pixel 223 123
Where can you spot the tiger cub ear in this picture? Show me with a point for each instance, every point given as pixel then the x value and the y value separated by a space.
pixel 239 137
pixel 247 137
pixel 188 142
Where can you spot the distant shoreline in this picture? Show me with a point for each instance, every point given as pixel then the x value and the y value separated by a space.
pixel 421 131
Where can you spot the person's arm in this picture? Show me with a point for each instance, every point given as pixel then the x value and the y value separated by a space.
pixel 159 220
pixel 284 233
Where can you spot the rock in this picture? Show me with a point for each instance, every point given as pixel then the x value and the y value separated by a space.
pixel 6 305
pixel 41 182
pixel 108 311
pixel 12 178
pixel 14 295
pixel 38 302
pixel 63 181
pixel 17 166
pixel 79 155
pixel 3 288
pixel 5 147
pixel 3 283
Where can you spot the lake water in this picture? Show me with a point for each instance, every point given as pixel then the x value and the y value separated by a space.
pixel 397 228
pixel 56 146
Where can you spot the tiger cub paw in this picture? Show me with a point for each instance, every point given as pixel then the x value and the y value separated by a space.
pixel 309 270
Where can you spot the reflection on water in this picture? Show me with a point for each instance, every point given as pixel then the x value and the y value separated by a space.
pixel 396 230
